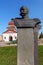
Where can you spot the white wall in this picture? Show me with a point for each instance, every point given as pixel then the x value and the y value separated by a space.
pixel 7 36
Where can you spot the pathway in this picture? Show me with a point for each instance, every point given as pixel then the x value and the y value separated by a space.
pixel 3 44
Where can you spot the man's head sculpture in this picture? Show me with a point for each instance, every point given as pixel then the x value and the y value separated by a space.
pixel 23 11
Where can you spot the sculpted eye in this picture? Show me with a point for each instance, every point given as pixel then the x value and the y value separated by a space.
pixel 22 10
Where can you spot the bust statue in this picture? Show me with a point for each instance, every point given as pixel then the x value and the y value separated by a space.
pixel 27 38
pixel 25 21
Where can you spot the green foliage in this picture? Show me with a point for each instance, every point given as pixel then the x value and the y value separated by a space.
pixel 40 55
pixel 14 41
pixel 41 36
pixel 8 55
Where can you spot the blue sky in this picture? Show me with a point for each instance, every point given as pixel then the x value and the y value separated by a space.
pixel 10 9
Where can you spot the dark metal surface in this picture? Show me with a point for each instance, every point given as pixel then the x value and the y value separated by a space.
pixel 24 21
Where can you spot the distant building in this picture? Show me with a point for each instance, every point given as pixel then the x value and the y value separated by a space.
pixel 0 38
pixel 40 39
pixel 10 34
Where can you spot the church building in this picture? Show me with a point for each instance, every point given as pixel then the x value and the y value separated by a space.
pixel 10 34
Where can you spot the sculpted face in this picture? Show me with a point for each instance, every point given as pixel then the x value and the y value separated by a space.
pixel 23 11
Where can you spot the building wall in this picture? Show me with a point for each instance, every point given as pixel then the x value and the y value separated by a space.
pixel 40 41
pixel 7 35
pixel 0 37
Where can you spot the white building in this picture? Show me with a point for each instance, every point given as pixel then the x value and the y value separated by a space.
pixel 10 34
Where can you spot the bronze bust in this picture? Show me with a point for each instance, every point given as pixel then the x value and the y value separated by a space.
pixel 24 21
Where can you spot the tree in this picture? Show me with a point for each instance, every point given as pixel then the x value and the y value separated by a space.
pixel 41 35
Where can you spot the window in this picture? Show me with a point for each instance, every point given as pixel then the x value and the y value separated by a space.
pixel 4 37
pixel 15 37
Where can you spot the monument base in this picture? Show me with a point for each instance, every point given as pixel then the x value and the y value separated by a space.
pixel 25 54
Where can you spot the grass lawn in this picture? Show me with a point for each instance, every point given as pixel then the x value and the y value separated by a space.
pixel 8 55
pixel 40 55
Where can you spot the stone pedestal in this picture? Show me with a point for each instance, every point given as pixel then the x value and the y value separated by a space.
pixel 25 54
pixel 26 47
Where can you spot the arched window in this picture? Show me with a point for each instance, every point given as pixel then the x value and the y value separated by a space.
pixel 15 37
pixel 4 37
